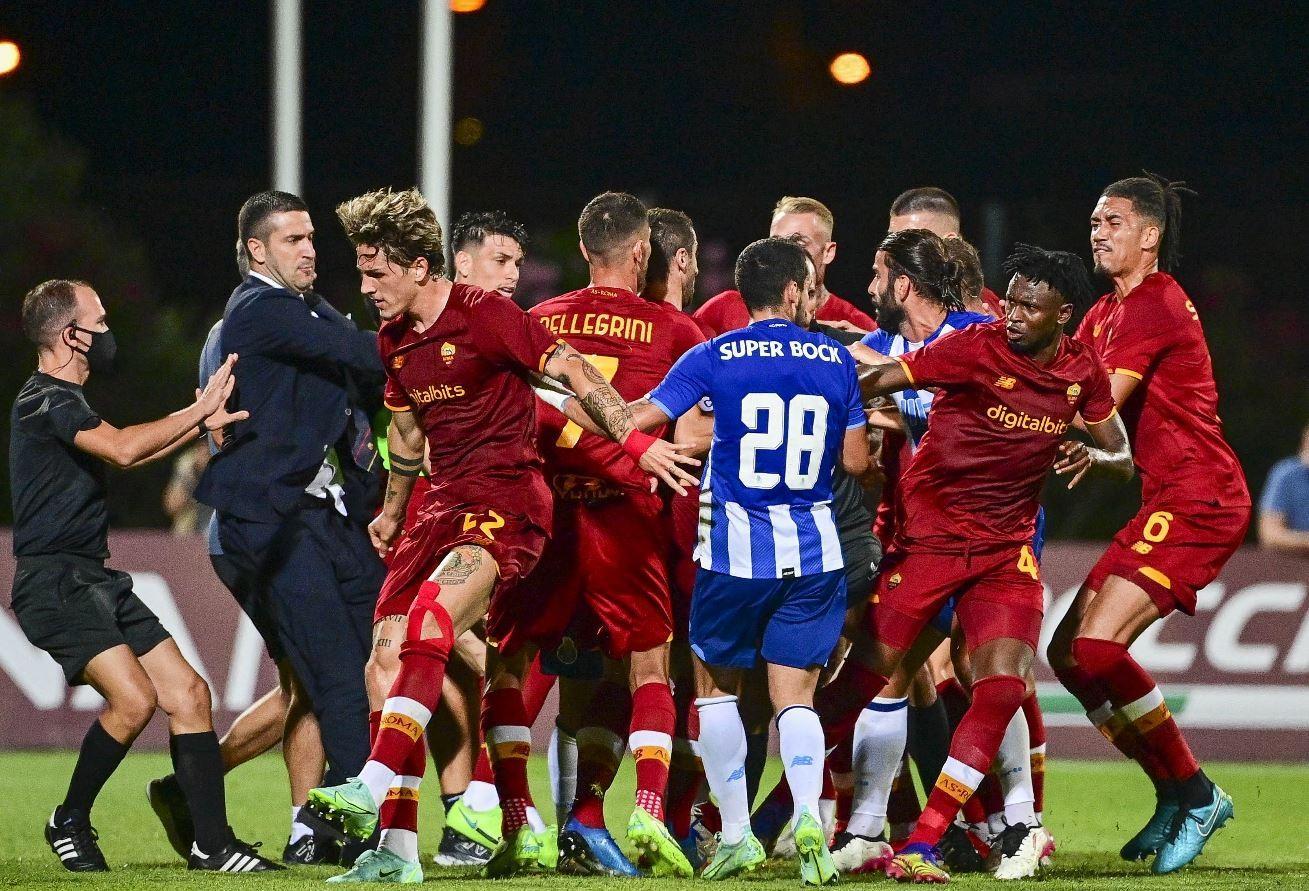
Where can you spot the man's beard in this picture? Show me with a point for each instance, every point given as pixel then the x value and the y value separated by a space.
pixel 890 314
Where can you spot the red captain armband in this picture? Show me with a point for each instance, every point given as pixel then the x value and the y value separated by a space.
pixel 637 444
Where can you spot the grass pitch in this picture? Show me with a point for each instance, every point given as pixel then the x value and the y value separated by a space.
pixel 1092 809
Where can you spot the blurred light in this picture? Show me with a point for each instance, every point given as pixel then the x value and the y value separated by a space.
pixel 466 5
pixel 850 68
pixel 9 56
pixel 468 131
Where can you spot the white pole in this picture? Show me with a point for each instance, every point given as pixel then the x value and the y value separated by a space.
pixel 286 96
pixel 436 99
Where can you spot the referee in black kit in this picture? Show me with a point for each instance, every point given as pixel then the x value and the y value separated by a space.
pixel 293 486
pixel 86 615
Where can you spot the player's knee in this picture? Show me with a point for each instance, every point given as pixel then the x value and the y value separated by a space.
pixel 135 706
pixel 1059 652
pixel 188 699
pixel 380 671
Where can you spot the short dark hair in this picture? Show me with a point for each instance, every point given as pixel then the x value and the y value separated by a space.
pixel 670 231
pixel 764 269
pixel 1160 200
pixel 252 219
pixel 474 226
pixel 1063 272
pixel 49 308
pixel 971 279
pixel 609 221
pixel 919 255
pixel 925 199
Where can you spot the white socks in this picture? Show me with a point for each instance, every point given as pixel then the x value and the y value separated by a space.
pixel 298 829
pixel 722 747
pixel 879 745
pixel 1013 768
pixel 562 759
pixel 480 796
pixel 378 778
pixel 801 737
pixel 401 842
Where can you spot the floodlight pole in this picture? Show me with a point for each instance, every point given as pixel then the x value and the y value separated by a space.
pixel 287 117
pixel 436 101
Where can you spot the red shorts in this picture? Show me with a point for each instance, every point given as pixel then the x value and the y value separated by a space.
pixel 603 581
pixel 515 543
pixel 1173 550
pixel 997 593
pixel 684 515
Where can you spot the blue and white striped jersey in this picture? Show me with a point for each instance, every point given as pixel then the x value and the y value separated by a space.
pixel 915 404
pixel 783 398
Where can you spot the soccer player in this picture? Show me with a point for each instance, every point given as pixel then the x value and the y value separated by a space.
pixel 809 220
pixel 772 581
pixel 1195 509
pixel 488 249
pixel 458 361
pixel 82 613
pixel 1007 393
pixel 608 559
pixel 937 211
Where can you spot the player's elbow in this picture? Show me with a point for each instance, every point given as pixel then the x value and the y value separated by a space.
pixel 856 465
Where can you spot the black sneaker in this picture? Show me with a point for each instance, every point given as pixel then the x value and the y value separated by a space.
pixel 74 841
pixel 958 852
pixel 311 850
pixel 458 849
pixel 235 856
pixel 169 804
pixel 351 851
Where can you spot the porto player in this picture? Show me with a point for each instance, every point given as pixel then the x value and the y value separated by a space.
pixel 771 580
pixel 608 560
pixel 458 361
pixel 1007 393
pixel 1194 514
pixel 810 223
pixel 937 211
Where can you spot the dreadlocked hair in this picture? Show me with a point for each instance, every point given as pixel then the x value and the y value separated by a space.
pixel 1062 271
pixel 1160 200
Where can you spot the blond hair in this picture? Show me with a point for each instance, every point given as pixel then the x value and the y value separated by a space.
pixel 400 224
pixel 789 204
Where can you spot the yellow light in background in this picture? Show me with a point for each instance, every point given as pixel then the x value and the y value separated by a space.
pixel 466 5
pixel 468 131
pixel 9 56
pixel 850 68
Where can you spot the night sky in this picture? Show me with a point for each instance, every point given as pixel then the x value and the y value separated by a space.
pixel 715 108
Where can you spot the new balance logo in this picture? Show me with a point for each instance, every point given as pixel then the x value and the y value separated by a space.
pixel 802 761
pixel 1005 383
pixel 738 774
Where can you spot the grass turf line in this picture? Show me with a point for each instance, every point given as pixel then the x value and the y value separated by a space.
pixel 1264 847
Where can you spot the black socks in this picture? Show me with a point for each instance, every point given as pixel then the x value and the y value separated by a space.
pixel 199 769
pixel 98 759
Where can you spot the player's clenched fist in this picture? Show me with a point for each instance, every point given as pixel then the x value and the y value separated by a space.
pixel 382 531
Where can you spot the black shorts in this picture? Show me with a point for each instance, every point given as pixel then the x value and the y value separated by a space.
pixel 253 602
pixel 861 552
pixel 75 608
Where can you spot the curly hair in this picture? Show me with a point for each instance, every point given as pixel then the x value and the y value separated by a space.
pixel 400 224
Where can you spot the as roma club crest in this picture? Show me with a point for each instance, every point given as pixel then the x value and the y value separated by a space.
pixel 1073 392
pixel 397 362
pixel 447 353
pixel 894 580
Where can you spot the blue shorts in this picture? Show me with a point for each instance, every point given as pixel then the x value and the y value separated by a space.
pixel 794 622
pixel 944 620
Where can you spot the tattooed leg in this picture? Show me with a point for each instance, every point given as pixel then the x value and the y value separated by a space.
pixel 467 576
pixel 384 660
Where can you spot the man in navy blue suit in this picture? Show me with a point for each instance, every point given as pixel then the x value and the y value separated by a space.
pixel 293 486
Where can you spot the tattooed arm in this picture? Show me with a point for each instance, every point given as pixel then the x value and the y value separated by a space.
pixel 406 445
pixel 613 417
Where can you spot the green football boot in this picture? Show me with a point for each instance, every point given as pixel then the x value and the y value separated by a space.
pixel 349 808
pixel 816 867
pixel 730 860
pixel 658 847
pixel 521 850
pixel 383 866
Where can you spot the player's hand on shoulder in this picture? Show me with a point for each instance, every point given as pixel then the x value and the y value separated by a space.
pixel 845 325
pixel 866 355
pixel 665 460
pixel 382 532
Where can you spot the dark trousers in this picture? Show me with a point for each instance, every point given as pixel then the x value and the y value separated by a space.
pixel 319 576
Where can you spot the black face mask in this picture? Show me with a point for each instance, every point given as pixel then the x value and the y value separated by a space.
pixel 100 354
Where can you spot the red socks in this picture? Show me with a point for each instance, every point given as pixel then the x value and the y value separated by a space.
pixel 400 809
pixel 509 743
pixel 973 749
pixel 1138 703
pixel 1036 740
pixel 417 688
pixel 650 737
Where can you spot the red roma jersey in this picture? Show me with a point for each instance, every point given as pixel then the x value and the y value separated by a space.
pixel 467 379
pixel 1154 335
pixel 633 342
pixel 727 312
pixel 997 422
